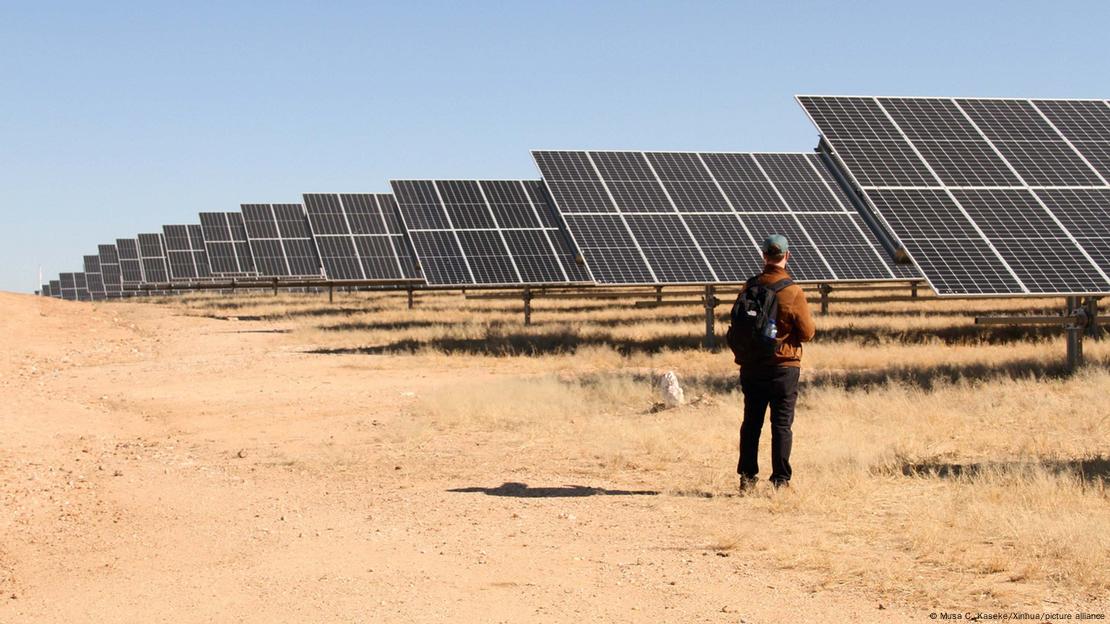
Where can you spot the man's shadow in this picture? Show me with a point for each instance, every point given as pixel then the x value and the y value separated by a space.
pixel 521 490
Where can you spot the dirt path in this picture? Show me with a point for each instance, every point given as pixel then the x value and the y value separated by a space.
pixel 165 468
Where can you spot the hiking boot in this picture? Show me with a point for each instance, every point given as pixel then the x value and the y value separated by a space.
pixel 747 484
pixel 781 485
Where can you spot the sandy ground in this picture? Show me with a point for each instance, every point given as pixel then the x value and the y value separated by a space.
pixel 164 468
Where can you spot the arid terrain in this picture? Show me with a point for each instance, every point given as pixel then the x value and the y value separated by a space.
pixel 256 458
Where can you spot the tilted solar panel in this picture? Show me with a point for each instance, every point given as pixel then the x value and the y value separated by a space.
pixel 359 237
pixel 110 271
pixel 131 267
pixel 93 279
pixel 699 218
pixel 68 286
pixel 225 240
pixel 56 289
pixel 81 285
pixel 185 252
pixel 280 240
pixel 486 232
pixel 987 196
pixel 152 255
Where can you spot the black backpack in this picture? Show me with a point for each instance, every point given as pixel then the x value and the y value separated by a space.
pixel 753 332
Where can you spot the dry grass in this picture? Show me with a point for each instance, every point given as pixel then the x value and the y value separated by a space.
pixel 936 463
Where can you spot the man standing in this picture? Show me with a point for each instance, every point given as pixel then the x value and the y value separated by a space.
pixel 769 373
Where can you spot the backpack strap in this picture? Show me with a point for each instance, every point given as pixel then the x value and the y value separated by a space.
pixel 779 285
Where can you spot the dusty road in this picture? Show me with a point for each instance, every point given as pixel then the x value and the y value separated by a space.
pixel 163 468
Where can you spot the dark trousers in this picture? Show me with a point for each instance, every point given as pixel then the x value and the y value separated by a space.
pixel 778 387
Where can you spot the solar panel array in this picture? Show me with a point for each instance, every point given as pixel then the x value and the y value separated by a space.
pixel 486 232
pixel 225 240
pixel 689 217
pixel 988 196
pixel 280 240
pixel 360 237
pixel 185 253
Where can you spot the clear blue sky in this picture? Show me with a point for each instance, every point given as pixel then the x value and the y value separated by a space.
pixel 119 117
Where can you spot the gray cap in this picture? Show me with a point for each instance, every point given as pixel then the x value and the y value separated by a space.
pixel 775 245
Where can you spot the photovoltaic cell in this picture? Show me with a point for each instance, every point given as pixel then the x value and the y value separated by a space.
pixel 700 217
pixel 1003 176
pixel 486 232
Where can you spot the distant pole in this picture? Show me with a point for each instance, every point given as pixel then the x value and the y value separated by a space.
pixel 710 318
pixel 824 289
pixel 527 305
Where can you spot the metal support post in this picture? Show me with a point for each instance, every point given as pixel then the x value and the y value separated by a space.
pixel 913 289
pixel 824 289
pixel 331 293
pixel 527 306
pixel 275 287
pixel 1076 325
pixel 410 297
pixel 658 294
pixel 711 303
pixel 1090 304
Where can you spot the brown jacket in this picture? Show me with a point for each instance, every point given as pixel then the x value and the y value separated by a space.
pixel 795 324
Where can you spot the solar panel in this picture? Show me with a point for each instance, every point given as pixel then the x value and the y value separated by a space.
pixel 131 268
pixel 225 240
pixel 56 289
pixel 486 232
pixel 68 286
pixel 110 271
pixel 44 290
pixel 280 240
pixel 689 217
pixel 93 280
pixel 152 256
pixel 81 286
pixel 185 252
pixel 359 237
pixel 987 196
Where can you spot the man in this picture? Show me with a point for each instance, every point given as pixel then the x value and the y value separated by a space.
pixel 773 380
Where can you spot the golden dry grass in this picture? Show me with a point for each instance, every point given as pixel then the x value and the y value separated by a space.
pixel 936 463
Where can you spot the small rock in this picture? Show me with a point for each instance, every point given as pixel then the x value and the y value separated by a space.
pixel 396 467
pixel 117 473
pixel 669 387
pixel 241 454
